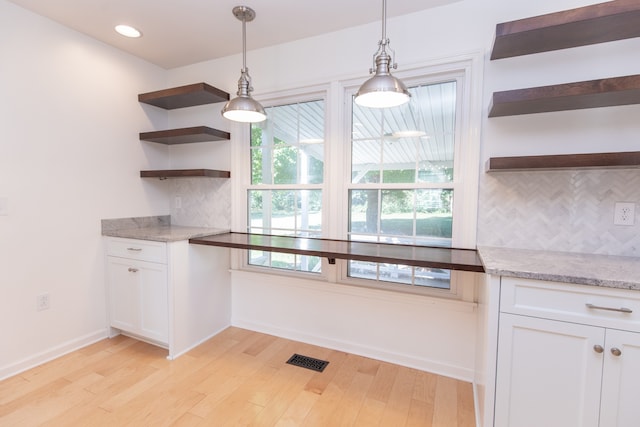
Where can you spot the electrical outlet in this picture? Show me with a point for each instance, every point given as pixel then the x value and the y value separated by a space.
pixel 624 213
pixel 42 302
pixel 178 202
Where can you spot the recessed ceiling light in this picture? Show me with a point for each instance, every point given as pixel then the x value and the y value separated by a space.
pixel 128 31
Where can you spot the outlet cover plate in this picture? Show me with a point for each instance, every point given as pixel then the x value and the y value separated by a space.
pixel 624 213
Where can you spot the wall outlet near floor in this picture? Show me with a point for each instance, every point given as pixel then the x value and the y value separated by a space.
pixel 624 213
pixel 43 302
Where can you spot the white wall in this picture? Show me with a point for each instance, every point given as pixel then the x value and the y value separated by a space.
pixel 69 156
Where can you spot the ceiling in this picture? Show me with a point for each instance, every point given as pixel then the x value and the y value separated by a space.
pixel 183 32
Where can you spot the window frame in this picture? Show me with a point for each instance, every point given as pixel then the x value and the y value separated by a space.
pixel 337 169
pixel 243 163
pixel 465 173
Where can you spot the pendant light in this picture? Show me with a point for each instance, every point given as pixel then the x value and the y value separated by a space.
pixel 244 108
pixel 383 90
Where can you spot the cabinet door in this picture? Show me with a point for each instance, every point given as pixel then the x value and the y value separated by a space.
pixel 548 373
pixel 138 298
pixel 124 294
pixel 621 380
pixel 154 307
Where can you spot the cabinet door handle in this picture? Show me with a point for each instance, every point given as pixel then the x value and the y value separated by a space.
pixel 598 348
pixel 134 249
pixel 619 310
pixel 133 270
pixel 616 351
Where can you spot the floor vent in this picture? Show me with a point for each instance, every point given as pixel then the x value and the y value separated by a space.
pixel 308 362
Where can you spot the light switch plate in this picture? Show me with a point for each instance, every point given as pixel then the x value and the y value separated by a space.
pixel 4 206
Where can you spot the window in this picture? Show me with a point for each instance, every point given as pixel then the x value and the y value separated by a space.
pixel 405 175
pixel 287 174
pixel 402 180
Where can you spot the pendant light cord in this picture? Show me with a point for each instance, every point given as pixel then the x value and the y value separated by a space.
pixel 384 21
pixel 244 44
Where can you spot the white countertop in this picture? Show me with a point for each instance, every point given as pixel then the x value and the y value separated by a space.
pixel 585 269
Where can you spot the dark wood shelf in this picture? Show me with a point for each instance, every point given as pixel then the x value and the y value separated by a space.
pixel 419 256
pixel 569 96
pixel 185 135
pixel 184 96
pixel 564 161
pixel 598 23
pixel 185 173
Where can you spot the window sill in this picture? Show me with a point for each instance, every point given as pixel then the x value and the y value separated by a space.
pixel 418 256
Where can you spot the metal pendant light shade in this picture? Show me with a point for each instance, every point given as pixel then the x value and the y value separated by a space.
pixel 382 90
pixel 244 108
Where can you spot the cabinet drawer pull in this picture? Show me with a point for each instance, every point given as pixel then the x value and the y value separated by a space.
pixel 134 249
pixel 133 270
pixel 619 310
pixel 598 348
pixel 616 351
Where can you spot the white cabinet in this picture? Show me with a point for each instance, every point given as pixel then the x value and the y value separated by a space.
pixel 138 292
pixel 621 380
pixel 138 298
pixel 174 294
pixel 568 355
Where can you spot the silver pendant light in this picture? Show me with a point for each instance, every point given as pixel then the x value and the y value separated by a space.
pixel 383 90
pixel 244 108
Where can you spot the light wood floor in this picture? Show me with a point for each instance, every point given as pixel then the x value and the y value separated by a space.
pixel 237 378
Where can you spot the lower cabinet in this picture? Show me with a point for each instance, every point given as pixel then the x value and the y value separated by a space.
pixel 138 297
pixel 174 294
pixel 567 356
pixel 621 380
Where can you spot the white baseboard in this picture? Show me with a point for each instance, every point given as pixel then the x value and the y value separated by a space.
pixel 384 355
pixel 52 353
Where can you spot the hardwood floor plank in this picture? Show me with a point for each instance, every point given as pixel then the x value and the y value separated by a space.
pixel 466 412
pixel 383 382
pixel 298 409
pixel 397 409
pixel 370 413
pixel 446 403
pixel 238 377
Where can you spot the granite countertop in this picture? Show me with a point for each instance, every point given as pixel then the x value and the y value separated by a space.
pixel 584 269
pixel 165 233
pixel 158 228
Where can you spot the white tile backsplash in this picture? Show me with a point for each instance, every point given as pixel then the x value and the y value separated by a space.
pixel 564 210
pixel 205 202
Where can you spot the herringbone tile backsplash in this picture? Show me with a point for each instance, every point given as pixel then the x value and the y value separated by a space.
pixel 206 202
pixel 559 210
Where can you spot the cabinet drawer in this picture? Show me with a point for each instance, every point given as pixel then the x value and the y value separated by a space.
pixel 591 305
pixel 143 250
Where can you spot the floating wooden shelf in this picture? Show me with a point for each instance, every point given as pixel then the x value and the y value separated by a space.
pixel 185 173
pixel 185 135
pixel 184 96
pixel 570 96
pixel 564 161
pixel 419 256
pixel 598 23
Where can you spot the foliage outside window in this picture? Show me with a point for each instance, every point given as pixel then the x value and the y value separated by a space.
pixel 287 173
